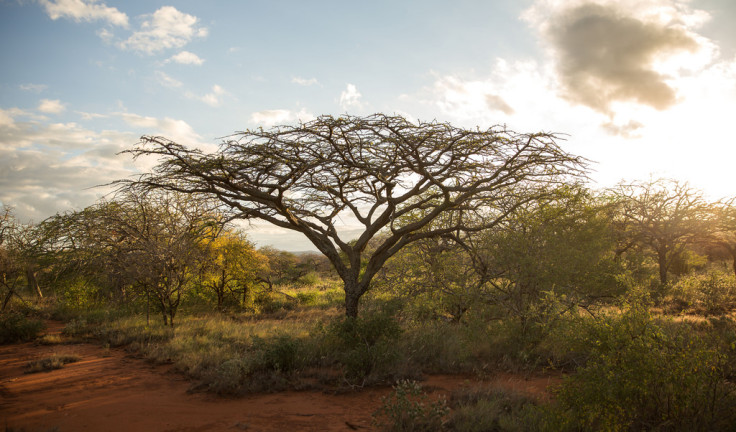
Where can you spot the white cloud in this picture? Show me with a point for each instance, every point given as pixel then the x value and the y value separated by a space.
pixel 167 81
pixel 35 88
pixel 213 98
pixel 350 97
pixel 606 52
pixel 304 81
pixel 164 29
pixel 186 57
pixel 90 116
pixel 84 10
pixel 50 106
pixel 176 130
pixel 274 117
pixel 47 168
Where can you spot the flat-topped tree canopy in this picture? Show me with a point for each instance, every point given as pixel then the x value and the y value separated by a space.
pixel 392 176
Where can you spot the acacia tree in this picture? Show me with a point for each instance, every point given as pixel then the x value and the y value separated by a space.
pixel 151 242
pixel 11 267
pixel 156 239
pixel 662 215
pixel 381 172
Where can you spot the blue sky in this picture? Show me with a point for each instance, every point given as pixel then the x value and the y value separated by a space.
pixel 641 87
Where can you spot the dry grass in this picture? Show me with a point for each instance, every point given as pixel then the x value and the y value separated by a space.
pixel 56 361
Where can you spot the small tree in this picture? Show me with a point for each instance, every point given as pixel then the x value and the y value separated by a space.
pixel 231 266
pixel 381 172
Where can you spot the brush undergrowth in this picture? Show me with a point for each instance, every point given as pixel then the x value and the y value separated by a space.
pixel 56 361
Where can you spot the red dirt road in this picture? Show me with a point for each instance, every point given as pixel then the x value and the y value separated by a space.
pixel 108 390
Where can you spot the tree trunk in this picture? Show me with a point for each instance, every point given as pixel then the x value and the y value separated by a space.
pixel 6 300
pixel 352 298
pixel 351 305
pixel 662 258
pixel 33 282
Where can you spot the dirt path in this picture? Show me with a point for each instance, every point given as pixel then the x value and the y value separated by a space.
pixel 107 390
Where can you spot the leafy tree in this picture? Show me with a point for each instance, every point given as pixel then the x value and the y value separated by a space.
pixel 375 171
pixel 231 266
pixel 663 216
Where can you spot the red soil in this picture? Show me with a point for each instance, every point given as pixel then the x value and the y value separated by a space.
pixel 108 390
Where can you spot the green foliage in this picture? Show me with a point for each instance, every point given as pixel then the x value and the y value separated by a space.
pixel 280 353
pixel 272 302
pixel 407 410
pixel 15 327
pixel 364 346
pixel 78 294
pixel 56 361
pixel 710 293
pixel 643 374
pixel 492 410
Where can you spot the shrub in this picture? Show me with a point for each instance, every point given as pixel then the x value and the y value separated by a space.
pixel 406 409
pixel 364 346
pixel 307 298
pixel 16 328
pixel 482 410
pixel 56 361
pixel 644 374
pixel 279 353
pixel 710 293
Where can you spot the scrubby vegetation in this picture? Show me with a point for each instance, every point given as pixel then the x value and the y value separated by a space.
pixel 56 361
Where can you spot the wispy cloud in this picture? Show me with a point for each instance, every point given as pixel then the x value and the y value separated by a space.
pixel 84 10
pixel 35 88
pixel 167 81
pixel 51 106
pixel 177 130
pixel 304 81
pixel 164 29
pixel 213 98
pixel 350 97
pixel 274 117
pixel 186 57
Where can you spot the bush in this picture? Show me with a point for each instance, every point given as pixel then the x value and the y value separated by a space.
pixel 644 374
pixel 711 293
pixel 279 353
pixel 17 328
pixel 483 410
pixel 406 409
pixel 50 363
pixel 364 346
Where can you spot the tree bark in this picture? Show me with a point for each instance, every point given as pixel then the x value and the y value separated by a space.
pixel 33 282
pixel 662 258
pixel 352 298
